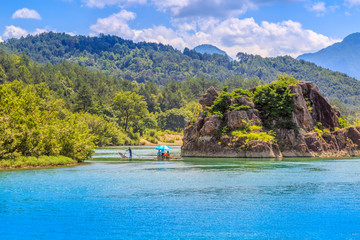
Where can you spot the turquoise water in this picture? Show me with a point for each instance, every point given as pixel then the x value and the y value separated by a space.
pixel 183 199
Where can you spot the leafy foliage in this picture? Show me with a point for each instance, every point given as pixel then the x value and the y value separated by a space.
pixel 275 104
pixel 129 107
pixel 30 127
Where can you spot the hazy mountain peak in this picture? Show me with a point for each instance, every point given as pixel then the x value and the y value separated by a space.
pixel 209 49
pixel 343 56
pixel 352 38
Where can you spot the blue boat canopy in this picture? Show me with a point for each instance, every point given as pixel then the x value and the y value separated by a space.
pixel 163 148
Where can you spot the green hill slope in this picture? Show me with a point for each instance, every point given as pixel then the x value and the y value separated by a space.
pixel 159 63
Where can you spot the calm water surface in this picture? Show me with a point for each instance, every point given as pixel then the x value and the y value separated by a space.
pixel 183 199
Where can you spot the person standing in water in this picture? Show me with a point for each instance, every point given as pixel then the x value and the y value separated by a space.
pixel 130 152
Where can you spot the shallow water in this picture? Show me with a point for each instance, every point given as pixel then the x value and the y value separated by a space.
pixel 183 199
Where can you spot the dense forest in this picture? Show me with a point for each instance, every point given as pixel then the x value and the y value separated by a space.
pixel 159 64
pixel 65 109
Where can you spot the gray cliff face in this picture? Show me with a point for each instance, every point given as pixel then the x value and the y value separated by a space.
pixel 202 137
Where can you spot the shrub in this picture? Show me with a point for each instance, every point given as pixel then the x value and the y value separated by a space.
pixel 343 122
pixel 275 104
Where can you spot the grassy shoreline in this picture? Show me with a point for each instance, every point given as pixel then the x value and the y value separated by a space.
pixel 37 162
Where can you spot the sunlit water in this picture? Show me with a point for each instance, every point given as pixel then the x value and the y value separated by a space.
pixel 183 199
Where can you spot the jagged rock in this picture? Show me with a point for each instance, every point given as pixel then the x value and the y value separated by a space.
pixel 301 114
pixel 193 132
pixel 253 115
pixel 243 101
pixel 321 110
pixel 236 119
pixel 208 98
pixel 261 149
pixel 353 134
pixel 211 125
pixel 313 142
pixel 307 96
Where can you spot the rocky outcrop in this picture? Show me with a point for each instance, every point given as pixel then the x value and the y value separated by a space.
pixel 204 137
pixel 311 107
pixel 208 98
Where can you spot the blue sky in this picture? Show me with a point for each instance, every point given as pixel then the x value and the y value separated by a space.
pixel 264 27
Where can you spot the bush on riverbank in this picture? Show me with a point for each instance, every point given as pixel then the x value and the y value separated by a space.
pixel 34 124
pixel 42 161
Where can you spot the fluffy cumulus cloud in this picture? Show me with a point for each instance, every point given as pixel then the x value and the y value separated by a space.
pixel 17 32
pixel 26 13
pixel 103 3
pixel 266 39
pixel 117 24
pixel 1 39
pixel 232 34
pixel 14 32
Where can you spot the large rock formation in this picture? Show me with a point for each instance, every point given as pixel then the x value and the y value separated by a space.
pixel 206 138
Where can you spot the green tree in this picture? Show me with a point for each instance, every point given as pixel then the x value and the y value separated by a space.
pixel 84 99
pixel 173 119
pixel 129 108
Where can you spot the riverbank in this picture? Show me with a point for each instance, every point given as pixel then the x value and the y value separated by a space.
pixel 163 138
pixel 37 162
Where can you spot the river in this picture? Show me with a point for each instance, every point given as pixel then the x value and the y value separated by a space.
pixel 182 199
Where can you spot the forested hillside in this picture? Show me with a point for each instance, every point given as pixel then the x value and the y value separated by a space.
pixel 160 64
pixel 116 111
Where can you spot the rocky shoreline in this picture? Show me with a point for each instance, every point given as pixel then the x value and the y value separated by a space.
pixel 311 109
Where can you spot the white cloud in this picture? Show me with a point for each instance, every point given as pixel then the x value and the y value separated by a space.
pixel 14 32
pixel 160 34
pixel 115 24
pixel 232 35
pixel 352 3
pixel 17 32
pixel 1 39
pixel 318 7
pixel 193 8
pixel 26 13
pixel 201 8
pixel 266 39
pixel 71 34
pixel 39 31
pixel 104 3
pixel 214 8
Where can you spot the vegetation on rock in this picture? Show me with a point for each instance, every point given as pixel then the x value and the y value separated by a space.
pixel 275 103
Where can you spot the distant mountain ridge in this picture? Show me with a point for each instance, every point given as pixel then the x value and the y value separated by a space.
pixel 343 56
pixel 209 49
pixel 159 63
